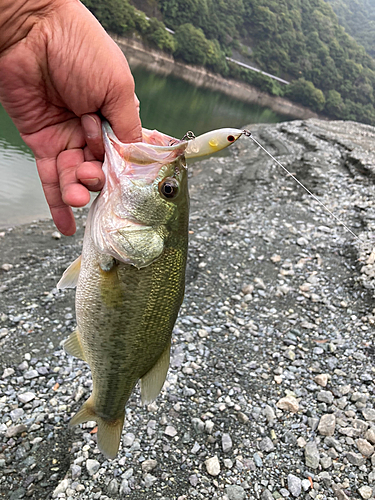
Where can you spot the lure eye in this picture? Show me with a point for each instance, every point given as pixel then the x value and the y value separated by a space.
pixel 231 138
pixel 168 188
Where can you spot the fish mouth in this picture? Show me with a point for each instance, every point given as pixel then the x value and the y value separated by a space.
pixel 140 160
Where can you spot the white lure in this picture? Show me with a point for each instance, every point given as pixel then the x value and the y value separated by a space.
pixel 211 142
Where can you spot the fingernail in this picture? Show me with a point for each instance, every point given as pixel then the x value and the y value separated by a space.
pixel 91 182
pixel 90 126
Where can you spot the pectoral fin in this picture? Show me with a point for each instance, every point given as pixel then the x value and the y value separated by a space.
pixel 70 277
pixel 152 382
pixel 73 345
pixel 109 431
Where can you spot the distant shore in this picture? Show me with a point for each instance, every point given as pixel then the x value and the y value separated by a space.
pixel 139 54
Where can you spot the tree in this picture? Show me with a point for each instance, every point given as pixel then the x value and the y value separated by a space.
pixel 191 44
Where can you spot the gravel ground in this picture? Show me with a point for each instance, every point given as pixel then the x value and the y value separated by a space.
pixel 270 393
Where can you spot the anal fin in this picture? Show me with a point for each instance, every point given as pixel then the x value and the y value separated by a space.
pixel 73 345
pixel 109 431
pixel 152 382
pixel 69 278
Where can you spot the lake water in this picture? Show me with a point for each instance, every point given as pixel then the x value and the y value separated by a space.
pixel 168 104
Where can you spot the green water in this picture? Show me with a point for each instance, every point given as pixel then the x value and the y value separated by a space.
pixel 168 104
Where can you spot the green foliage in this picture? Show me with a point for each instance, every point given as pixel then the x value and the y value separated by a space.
pixel 157 34
pixel 192 45
pixel 121 22
pixel 306 93
pixel 299 40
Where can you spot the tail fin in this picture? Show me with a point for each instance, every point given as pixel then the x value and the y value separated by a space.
pixel 109 431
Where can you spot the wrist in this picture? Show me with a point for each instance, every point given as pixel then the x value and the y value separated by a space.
pixel 18 17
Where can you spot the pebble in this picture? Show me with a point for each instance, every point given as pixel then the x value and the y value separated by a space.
pixel 369 414
pixel 365 492
pixel 355 458
pixel 235 492
pixel 306 485
pixel 213 466
pixel 267 495
pixel 8 372
pixel 26 397
pixel 56 235
pixel 128 439
pixel 266 445
pixel 7 267
pixel 61 487
pixel 226 443
pixel 149 480
pixel 370 435
pixel 327 424
pixel 288 403
pixel 294 485
pixel 92 466
pixel 113 487
pixel 149 465
pixel 325 397
pixel 15 430
pixel 321 379
pixel 170 431
pixel 75 471
pixel 364 447
pixel 312 455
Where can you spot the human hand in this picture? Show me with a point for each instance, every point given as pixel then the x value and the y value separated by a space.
pixel 57 72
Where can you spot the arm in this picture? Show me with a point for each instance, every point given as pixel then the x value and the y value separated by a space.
pixel 58 69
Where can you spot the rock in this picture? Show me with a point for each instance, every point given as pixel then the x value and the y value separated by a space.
pixel 306 485
pixel 288 403
pixel 235 492
pixel 92 466
pixel 266 445
pixel 26 397
pixel 355 458
pixel 7 267
pixel 294 485
pixel 325 397
pixel 16 414
pixel 113 487
pixel 170 431
pixel 321 379
pixel 149 480
pixel 128 439
pixel 8 372
pixel 339 493
pixel 312 456
pixel 124 488
pixel 226 443
pixel 149 465
pixel 14 430
pixel 61 487
pixel 365 492
pixel 327 424
pixel 31 374
pixel 56 235
pixel 213 466
pixel 364 447
pixel 267 495
pixel 368 414
pixel 269 414
pixel 258 460
pixel 370 435
pixel 75 471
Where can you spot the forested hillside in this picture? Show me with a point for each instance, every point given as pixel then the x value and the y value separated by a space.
pixel 300 40
pixel 358 19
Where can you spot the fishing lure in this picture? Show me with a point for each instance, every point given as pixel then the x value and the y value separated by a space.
pixel 216 140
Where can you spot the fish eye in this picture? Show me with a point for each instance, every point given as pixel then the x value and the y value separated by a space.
pixel 168 188
pixel 231 138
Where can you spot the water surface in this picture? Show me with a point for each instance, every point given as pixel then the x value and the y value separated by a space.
pixel 168 104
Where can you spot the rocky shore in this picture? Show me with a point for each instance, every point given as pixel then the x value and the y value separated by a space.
pixel 270 393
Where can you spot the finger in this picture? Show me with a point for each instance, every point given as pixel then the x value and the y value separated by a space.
pixel 92 129
pixel 120 107
pixel 62 214
pixel 72 191
pixel 90 174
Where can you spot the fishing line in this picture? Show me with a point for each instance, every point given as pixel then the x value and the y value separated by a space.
pixel 247 133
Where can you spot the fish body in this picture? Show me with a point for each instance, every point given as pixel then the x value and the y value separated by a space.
pixel 131 279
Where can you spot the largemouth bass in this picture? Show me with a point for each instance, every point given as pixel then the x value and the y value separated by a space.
pixel 130 277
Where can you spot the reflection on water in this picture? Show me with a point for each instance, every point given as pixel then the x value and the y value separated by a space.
pixel 167 104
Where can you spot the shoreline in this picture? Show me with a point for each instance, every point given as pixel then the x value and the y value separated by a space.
pixel 139 54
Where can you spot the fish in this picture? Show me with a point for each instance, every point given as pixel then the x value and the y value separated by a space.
pixel 130 278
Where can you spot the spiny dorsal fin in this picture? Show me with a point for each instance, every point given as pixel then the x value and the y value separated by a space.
pixel 152 382
pixel 73 345
pixel 109 431
pixel 70 277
